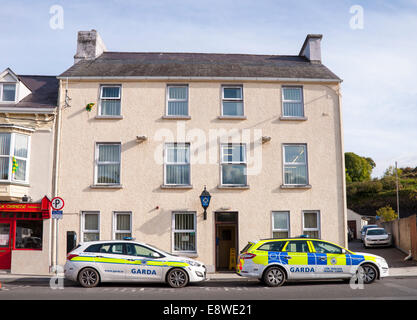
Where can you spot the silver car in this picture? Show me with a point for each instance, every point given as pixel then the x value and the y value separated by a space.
pixel 129 261
pixel 377 237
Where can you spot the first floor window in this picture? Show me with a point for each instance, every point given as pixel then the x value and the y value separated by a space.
pixel 122 225
pixel 177 100
pixel 184 229
pixel 232 101
pixel 233 164
pixel 108 163
pixel 280 224
pixel 177 164
pixel 110 97
pixel 292 102
pixel 14 157
pixel 90 226
pixel 29 234
pixel 295 164
pixel 311 224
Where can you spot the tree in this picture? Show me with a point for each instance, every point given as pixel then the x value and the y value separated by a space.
pixel 358 168
pixel 386 213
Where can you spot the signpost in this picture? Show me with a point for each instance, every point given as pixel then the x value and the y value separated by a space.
pixel 57 214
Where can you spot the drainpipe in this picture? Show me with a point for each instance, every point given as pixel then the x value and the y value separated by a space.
pixel 345 227
pixel 54 254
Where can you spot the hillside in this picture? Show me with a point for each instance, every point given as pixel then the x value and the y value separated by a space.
pixel 368 196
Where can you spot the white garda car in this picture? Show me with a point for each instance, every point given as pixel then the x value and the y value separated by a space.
pixel 129 261
pixel 377 237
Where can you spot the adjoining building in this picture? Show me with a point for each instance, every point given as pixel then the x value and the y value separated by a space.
pixel 143 133
pixel 27 113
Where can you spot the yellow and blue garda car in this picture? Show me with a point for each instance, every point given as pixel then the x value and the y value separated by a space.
pixel 128 261
pixel 274 261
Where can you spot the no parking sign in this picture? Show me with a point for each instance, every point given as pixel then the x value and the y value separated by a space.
pixel 57 206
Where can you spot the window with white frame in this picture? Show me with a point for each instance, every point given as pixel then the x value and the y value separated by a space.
pixel 295 164
pixel 233 164
pixel 177 100
pixel 232 101
pixel 184 232
pixel 280 224
pixel 90 224
pixel 177 164
pixel 7 92
pixel 108 163
pixel 122 225
pixel 292 102
pixel 311 224
pixel 110 100
pixel 14 157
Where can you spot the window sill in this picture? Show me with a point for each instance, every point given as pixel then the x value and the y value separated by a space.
pixel 165 186
pixel 293 118
pixel 106 186
pixel 109 117
pixel 176 117
pixel 15 183
pixel 237 187
pixel 304 186
pixel 186 254
pixel 232 117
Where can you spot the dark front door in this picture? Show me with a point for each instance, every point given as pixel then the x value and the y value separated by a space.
pixel 352 226
pixel 226 241
pixel 5 245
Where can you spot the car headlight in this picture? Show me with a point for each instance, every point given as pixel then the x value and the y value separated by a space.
pixel 193 263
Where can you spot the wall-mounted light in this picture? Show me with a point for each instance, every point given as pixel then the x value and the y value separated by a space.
pixel 266 139
pixel 140 139
pixel 205 201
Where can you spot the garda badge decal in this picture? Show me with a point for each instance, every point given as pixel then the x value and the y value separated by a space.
pixel 333 261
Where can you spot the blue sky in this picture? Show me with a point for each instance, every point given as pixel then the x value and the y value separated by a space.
pixel 377 63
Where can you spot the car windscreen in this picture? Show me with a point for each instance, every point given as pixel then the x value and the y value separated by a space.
pixel 376 232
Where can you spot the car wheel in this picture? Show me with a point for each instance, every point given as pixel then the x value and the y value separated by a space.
pixel 177 278
pixel 367 273
pixel 274 277
pixel 88 278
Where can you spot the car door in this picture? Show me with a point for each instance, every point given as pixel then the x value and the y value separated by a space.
pixel 112 262
pixel 144 264
pixel 331 261
pixel 298 257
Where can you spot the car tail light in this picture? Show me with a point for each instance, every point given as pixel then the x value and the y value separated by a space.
pixel 247 256
pixel 70 256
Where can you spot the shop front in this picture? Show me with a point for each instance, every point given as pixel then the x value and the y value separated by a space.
pixel 22 230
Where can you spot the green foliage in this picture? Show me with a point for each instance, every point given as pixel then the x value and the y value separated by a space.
pixel 369 196
pixel 386 213
pixel 363 188
pixel 358 168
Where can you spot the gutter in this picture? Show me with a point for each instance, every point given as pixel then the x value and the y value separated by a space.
pixel 27 110
pixel 159 78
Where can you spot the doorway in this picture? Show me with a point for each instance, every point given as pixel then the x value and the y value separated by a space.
pixel 226 228
pixel 5 245
pixel 352 226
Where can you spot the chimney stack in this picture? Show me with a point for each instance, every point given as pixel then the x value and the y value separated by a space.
pixel 89 46
pixel 311 48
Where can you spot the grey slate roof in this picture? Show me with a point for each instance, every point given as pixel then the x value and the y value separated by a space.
pixel 155 64
pixel 44 92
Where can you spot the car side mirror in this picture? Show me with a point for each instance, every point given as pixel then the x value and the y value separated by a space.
pixel 155 255
pixel 343 251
